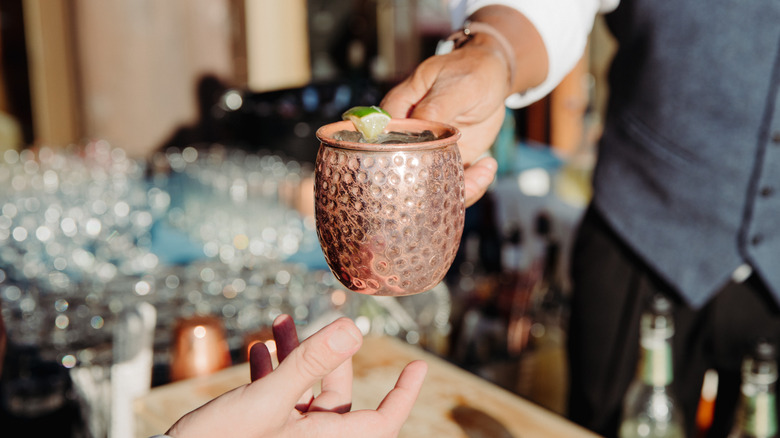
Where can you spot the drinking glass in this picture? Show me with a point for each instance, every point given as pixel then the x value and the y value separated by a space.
pixel 389 216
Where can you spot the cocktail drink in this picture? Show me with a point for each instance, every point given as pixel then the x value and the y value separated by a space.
pixel 389 212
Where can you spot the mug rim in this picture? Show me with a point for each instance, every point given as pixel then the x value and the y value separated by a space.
pixel 446 135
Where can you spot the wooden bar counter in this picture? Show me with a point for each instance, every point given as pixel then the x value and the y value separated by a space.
pixel 453 403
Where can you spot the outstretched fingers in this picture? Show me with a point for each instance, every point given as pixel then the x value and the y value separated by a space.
pixel 384 422
pixel 286 337
pixel 398 403
pixel 336 390
pixel 260 363
pixel 315 358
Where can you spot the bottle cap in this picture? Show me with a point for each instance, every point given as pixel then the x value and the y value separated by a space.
pixel 660 305
pixel 764 350
pixel 657 316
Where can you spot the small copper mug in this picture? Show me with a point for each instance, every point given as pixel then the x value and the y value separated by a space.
pixel 199 348
pixel 389 216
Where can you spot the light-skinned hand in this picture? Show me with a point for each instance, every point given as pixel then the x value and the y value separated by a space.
pixel 280 402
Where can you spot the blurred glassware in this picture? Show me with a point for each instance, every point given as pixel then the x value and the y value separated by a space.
pixel 240 206
pixel 131 371
pixel 3 341
pixel 87 234
pixel 73 220
pixel 74 223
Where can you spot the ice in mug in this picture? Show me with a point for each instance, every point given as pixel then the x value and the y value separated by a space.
pixel 392 137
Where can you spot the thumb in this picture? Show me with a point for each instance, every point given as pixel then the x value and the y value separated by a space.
pixel 314 359
pixel 478 178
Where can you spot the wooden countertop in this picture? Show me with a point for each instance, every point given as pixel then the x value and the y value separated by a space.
pixel 452 403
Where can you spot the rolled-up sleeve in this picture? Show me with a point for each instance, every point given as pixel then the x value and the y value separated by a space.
pixel 564 26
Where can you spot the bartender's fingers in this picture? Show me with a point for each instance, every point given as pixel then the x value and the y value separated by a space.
pixel 401 100
pixel 478 178
pixel 446 87
pixel 260 364
pixel 336 394
pixel 464 103
pixel 477 138
pixel 463 89
pixel 315 358
pixel 286 337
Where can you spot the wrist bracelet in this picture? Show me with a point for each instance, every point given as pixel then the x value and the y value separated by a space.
pixel 461 37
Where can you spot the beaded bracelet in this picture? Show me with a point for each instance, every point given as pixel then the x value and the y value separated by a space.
pixel 461 37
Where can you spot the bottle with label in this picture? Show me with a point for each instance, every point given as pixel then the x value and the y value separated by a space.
pixel 757 411
pixel 649 408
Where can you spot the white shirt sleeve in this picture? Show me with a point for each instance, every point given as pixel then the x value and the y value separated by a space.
pixel 564 26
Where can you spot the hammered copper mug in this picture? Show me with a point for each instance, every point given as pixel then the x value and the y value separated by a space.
pixel 389 216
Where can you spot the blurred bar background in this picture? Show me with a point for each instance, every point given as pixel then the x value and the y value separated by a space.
pixel 160 153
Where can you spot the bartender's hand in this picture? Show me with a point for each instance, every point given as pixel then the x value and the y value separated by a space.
pixel 467 88
pixel 280 403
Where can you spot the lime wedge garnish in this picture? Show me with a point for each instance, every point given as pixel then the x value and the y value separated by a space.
pixel 368 120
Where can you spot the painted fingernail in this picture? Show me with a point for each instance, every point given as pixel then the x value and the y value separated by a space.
pixel 342 340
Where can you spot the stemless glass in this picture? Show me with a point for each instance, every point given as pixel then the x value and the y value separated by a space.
pixel 389 216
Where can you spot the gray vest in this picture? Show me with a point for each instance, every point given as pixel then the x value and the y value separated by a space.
pixel 689 164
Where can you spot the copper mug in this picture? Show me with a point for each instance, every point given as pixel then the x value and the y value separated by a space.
pixel 389 216
pixel 199 347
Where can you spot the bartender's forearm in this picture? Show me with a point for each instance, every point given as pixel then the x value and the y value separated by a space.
pixel 530 55
pixel 561 26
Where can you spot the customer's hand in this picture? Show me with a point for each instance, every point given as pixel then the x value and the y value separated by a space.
pixel 280 402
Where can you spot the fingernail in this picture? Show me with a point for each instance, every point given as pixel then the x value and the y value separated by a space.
pixel 484 180
pixel 342 340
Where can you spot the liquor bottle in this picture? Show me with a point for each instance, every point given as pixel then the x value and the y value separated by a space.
pixel 650 408
pixel 757 411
